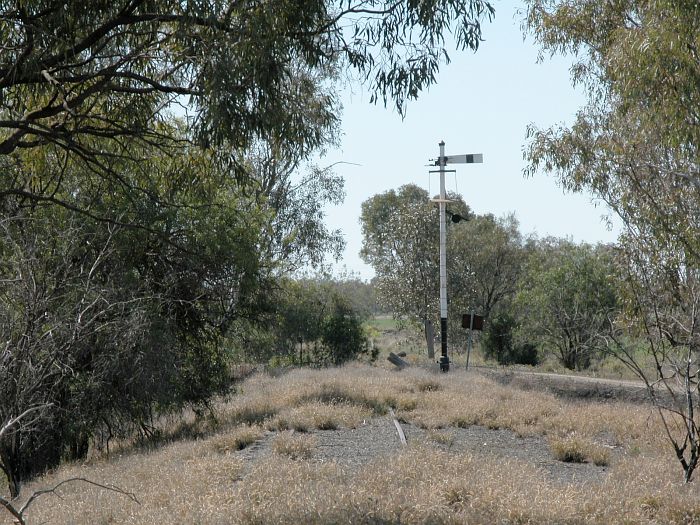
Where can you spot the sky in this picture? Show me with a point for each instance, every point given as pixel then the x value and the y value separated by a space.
pixel 482 103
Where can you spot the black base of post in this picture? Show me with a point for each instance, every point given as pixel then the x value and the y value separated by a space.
pixel 444 360
pixel 444 363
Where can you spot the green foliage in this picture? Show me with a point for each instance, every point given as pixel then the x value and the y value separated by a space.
pixel 634 146
pixel 296 235
pixel 485 256
pixel 343 336
pixel 301 312
pixel 499 342
pixel 107 326
pixel 567 293
pixel 309 322
pixel 361 295
pixel 401 242
pixel 74 72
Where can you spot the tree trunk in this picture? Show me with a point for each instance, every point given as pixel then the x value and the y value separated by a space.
pixel 11 465
pixel 430 338
pixel 78 447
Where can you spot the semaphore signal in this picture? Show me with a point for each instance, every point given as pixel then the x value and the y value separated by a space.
pixel 442 161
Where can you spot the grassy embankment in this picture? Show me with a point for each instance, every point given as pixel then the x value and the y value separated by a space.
pixel 209 480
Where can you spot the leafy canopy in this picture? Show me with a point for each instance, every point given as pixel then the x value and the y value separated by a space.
pixel 73 72
pixel 635 145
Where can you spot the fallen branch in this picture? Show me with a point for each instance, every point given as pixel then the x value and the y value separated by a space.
pixel 402 436
pixel 19 514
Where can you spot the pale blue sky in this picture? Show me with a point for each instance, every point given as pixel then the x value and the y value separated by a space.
pixel 482 103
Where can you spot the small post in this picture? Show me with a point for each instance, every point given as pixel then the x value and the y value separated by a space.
pixel 430 338
pixel 469 338
pixel 471 322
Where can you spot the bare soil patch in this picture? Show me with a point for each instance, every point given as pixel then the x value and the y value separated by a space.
pixel 569 386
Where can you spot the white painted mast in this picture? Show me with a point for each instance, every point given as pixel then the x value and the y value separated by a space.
pixel 442 161
pixel 444 360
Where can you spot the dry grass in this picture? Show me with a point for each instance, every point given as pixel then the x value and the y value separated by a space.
pixel 463 401
pixel 186 482
pixel 294 446
pixel 573 449
pixel 319 416
pixel 425 486
pixel 441 437
pixel 206 481
pixel 263 397
pixel 236 439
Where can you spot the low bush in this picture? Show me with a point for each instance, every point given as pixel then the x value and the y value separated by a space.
pixel 499 343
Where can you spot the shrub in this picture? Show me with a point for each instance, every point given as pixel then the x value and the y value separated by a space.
pixel 343 335
pixel 498 342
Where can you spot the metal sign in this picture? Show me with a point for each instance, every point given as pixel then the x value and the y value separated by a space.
pixel 473 322
pixel 471 158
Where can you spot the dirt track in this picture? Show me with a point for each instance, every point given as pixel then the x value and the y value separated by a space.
pixel 570 387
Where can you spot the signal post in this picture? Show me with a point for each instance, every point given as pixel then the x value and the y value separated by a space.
pixel 442 161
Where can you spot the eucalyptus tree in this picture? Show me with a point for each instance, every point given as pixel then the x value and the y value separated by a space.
pixel 294 194
pixel 567 300
pixel 401 242
pixel 635 145
pixel 74 74
pixel 485 259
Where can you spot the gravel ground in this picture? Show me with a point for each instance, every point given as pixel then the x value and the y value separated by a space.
pixel 377 438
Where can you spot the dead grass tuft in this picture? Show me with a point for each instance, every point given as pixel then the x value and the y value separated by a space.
pixel 339 393
pixel 406 403
pixel 236 439
pixel 573 449
pixel 255 413
pixel 294 445
pixel 320 416
pixel 569 450
pixel 441 437
pixel 598 455
pixel 427 385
